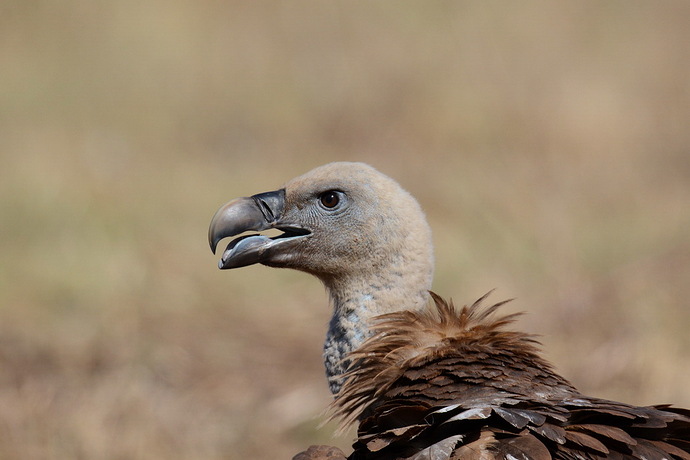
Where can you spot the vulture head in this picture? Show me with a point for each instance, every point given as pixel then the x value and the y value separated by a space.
pixel 352 227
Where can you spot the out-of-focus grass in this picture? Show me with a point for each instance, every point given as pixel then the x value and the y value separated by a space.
pixel 548 142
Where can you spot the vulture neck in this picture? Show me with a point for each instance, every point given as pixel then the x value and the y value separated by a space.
pixel 401 285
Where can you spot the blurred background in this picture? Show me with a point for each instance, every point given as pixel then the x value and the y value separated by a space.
pixel 548 142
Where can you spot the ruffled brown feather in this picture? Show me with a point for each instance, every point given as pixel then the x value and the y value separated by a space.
pixel 441 384
pixel 405 339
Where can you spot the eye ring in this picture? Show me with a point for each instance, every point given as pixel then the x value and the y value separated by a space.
pixel 329 199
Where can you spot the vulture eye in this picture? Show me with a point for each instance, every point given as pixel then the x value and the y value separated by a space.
pixel 330 199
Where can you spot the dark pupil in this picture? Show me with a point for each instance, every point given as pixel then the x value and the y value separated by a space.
pixel 329 199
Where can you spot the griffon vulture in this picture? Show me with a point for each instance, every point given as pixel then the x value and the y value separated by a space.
pixel 423 379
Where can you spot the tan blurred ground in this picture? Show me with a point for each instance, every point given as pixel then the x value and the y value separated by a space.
pixel 549 143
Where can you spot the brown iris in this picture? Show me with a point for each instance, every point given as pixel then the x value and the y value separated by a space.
pixel 329 199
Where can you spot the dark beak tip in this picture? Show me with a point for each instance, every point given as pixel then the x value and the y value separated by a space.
pixel 213 237
pixel 212 242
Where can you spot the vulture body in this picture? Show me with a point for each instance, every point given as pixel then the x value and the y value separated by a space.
pixel 424 380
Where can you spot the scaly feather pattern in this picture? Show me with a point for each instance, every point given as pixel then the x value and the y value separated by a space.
pixel 441 384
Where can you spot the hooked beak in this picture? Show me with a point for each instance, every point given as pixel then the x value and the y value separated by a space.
pixel 256 213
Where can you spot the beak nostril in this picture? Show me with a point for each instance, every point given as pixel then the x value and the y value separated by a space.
pixel 265 210
pixel 270 204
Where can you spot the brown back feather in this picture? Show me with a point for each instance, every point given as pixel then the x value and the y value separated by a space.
pixel 404 340
pixel 442 384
